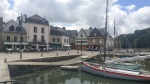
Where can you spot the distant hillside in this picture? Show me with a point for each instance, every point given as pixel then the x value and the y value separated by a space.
pixel 139 39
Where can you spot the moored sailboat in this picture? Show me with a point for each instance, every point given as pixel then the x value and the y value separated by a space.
pixel 112 72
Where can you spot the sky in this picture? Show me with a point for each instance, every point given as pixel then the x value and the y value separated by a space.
pixel 129 15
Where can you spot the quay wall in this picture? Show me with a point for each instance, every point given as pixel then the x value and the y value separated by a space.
pixel 50 59
pixel 16 70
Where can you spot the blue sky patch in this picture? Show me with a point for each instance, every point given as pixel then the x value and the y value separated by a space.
pixel 138 3
pixel 11 2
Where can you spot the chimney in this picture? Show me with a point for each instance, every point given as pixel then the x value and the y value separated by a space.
pixel 64 28
pixel 24 17
pixel 90 28
pixel 1 22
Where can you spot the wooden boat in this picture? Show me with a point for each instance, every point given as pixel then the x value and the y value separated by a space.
pixel 115 73
pixel 70 67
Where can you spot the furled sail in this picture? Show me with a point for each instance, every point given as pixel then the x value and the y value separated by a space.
pixel 134 58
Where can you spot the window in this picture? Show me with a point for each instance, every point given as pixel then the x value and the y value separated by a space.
pixel 11 28
pixel 15 38
pixel 67 41
pixel 35 29
pixel 42 30
pixel 58 40
pixel 35 37
pixel 8 38
pixel 64 40
pixel 53 39
pixel 63 33
pixel 42 38
pixel 52 32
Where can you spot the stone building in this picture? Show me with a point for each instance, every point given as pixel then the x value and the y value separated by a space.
pixel 37 31
pixel 10 35
pixel 72 36
pixel 96 39
pixel 65 38
pixel 55 38
pixel 82 37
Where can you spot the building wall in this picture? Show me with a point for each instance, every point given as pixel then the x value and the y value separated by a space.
pixel 84 42
pixel 12 35
pixel 1 41
pixel 30 31
pixel 63 42
pixel 96 41
pixel 52 36
pixel 84 39
pixel 84 47
pixel 3 37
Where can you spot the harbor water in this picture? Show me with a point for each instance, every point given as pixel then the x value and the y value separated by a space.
pixel 58 76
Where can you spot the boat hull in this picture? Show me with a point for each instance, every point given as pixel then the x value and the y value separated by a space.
pixel 70 67
pixel 113 73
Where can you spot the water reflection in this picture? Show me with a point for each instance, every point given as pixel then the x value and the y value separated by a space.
pixel 57 76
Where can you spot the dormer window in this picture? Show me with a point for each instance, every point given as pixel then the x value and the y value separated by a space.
pixel 11 28
pixel 94 34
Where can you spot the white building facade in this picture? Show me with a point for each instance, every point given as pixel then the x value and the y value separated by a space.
pixel 37 30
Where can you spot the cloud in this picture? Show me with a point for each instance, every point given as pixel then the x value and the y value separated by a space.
pixel 131 7
pixel 77 14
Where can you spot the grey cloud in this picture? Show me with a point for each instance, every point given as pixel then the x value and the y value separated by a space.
pixel 78 13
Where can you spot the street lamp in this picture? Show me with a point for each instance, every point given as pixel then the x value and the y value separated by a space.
pixel 81 41
pixel 20 23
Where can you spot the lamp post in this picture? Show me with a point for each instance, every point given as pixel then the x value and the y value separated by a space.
pixel 81 41
pixel 20 23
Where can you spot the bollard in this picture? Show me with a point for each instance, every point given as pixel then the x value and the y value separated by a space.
pixel 56 53
pixel 68 53
pixel 5 60
pixel 78 52
pixel 41 55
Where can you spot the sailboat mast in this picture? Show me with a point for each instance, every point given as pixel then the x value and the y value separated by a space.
pixel 105 38
pixel 114 39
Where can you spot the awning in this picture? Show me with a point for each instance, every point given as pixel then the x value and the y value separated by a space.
pixel 15 43
pixel 66 45
pixel 55 43
pixel 39 44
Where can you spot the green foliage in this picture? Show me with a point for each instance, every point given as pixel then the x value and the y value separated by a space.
pixel 139 39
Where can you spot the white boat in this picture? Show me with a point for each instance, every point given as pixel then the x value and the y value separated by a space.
pixel 112 72
pixel 84 57
pixel 70 67
pixel 115 73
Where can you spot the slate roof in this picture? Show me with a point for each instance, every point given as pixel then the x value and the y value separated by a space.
pixel 15 24
pixel 87 31
pixel 72 33
pixel 37 19
pixel 102 31
pixel 55 31
pixel 95 30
